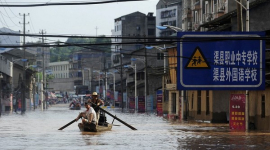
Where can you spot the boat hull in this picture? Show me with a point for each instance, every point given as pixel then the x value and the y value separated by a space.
pixel 94 128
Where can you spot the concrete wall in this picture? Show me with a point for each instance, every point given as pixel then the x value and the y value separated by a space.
pixel 61 84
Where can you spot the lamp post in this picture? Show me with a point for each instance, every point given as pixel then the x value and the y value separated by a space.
pixel 135 82
pixel 89 78
pixel 176 29
pixel 247 92
pixel 164 27
pixel 247 13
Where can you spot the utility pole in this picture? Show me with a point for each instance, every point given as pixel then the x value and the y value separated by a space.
pixel 23 106
pixel 43 73
pixel 34 92
pixel 146 77
pixel 239 16
pixel 122 89
pixel 104 56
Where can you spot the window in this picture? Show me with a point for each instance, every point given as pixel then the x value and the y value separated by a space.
pixel 160 56
pixel 199 102
pixel 207 103
pixel 263 107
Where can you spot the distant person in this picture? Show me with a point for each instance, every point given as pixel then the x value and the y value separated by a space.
pixel 96 102
pixel 15 105
pixel 88 116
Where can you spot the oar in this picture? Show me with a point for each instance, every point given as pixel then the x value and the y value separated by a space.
pixel 117 118
pixel 67 124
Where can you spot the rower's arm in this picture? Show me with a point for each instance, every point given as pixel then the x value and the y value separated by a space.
pixel 90 117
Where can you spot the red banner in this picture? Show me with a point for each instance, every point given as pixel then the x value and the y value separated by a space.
pixel 237 111
pixel 159 103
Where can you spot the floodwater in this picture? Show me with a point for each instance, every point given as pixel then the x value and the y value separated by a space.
pixel 38 130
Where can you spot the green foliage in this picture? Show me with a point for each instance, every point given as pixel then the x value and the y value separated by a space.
pixel 64 53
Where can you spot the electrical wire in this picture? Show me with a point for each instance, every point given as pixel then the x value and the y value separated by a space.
pixel 71 3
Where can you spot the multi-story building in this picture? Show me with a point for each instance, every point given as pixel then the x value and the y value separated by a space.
pixel 60 69
pixel 203 11
pixel 169 12
pixel 133 25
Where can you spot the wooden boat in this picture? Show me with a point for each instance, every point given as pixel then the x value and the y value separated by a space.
pixel 103 125
pixel 94 128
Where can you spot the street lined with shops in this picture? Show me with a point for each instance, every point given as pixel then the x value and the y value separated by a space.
pixel 38 129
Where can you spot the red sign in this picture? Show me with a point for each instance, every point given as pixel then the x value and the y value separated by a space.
pixel 159 103
pixel 237 111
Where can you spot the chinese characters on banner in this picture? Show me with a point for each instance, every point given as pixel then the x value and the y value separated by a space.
pixel 237 111
pixel 159 103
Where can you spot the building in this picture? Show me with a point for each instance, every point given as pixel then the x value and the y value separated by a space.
pixel 12 81
pixel 132 25
pixel 60 69
pixel 169 12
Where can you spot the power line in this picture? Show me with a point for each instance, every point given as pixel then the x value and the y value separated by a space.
pixel 71 3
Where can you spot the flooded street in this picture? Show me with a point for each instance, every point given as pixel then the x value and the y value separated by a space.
pixel 39 130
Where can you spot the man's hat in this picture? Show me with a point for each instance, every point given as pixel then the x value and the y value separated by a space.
pixel 94 93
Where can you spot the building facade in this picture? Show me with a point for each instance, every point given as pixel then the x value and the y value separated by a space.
pixel 168 12
pixel 132 25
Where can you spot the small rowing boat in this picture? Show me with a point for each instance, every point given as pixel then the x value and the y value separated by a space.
pixel 94 128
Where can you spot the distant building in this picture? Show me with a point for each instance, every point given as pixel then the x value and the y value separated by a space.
pixel 60 69
pixel 39 52
pixel 135 24
pixel 9 40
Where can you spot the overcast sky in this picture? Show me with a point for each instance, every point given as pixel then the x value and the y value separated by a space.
pixel 81 19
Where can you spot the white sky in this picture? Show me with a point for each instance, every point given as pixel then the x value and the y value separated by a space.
pixel 79 20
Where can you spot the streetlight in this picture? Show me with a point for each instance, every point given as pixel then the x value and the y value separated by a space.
pixel 89 78
pixel 247 13
pixel 135 82
pixel 176 29
pixel 247 29
pixel 164 27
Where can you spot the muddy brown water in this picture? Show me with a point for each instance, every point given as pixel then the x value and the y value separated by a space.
pixel 38 130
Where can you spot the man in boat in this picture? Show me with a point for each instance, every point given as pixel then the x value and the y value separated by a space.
pixel 96 102
pixel 88 116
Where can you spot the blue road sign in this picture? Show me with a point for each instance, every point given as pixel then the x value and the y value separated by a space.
pixel 220 61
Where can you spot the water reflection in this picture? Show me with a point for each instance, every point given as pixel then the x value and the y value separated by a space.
pixel 39 130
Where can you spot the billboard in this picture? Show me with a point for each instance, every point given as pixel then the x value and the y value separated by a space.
pixel 220 61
